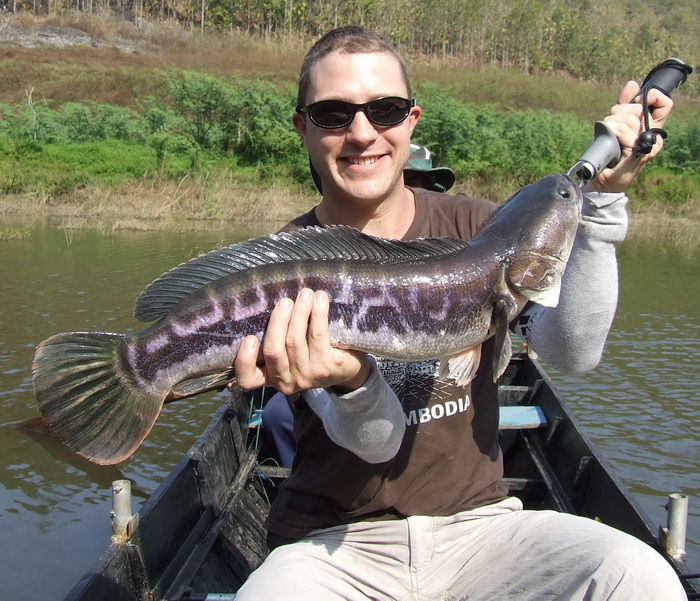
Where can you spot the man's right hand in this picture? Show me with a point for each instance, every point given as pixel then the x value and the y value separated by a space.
pixel 296 352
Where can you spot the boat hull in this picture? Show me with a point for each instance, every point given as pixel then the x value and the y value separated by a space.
pixel 201 531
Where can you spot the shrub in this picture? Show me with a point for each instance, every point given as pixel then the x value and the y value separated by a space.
pixel 681 153
pixel 120 123
pixel 673 189
pixel 263 127
pixel 202 101
pixel 490 144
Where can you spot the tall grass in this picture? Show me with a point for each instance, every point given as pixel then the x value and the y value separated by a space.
pixel 207 201
pixel 125 63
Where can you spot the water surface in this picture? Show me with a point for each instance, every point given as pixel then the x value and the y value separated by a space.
pixel 639 405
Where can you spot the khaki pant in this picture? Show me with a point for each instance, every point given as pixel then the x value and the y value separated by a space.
pixel 498 552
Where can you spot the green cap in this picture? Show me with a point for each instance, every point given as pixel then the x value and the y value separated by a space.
pixel 420 165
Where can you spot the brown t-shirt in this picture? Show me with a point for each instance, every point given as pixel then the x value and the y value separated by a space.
pixel 449 460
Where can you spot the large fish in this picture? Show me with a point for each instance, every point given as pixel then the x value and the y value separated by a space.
pixel 423 299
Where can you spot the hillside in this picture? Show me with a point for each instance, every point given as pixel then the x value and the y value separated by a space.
pixel 78 58
pixel 75 66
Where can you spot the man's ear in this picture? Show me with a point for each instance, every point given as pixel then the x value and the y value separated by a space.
pixel 413 117
pixel 300 125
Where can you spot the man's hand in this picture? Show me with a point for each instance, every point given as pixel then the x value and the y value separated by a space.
pixel 626 119
pixel 296 352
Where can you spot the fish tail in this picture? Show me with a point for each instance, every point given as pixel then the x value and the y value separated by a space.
pixel 88 399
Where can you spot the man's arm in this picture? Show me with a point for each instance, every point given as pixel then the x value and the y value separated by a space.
pixel 572 335
pixel 368 421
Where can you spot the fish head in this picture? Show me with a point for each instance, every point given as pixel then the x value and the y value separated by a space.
pixel 547 213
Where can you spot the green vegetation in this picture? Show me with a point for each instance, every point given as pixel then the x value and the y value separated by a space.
pixel 200 124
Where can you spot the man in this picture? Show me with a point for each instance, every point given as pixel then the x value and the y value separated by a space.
pixel 277 417
pixel 377 508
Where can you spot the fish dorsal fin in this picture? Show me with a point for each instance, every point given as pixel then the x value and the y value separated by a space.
pixel 312 243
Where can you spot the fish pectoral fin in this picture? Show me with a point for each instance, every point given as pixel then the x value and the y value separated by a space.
pixel 546 298
pixel 193 386
pixel 502 345
pixel 461 367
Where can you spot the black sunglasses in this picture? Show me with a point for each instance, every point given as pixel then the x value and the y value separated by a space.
pixel 332 114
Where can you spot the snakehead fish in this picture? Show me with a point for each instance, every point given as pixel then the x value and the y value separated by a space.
pixel 403 300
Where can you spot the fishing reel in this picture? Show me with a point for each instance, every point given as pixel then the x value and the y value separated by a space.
pixel 605 149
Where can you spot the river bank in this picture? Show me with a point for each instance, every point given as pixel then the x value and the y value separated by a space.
pixel 189 206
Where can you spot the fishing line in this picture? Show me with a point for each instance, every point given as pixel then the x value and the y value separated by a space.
pixel 257 443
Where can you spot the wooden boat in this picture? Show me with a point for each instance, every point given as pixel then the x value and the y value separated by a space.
pixel 200 534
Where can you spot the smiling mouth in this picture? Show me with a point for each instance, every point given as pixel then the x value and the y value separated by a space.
pixel 362 160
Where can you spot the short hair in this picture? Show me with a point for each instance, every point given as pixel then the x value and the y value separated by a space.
pixel 351 39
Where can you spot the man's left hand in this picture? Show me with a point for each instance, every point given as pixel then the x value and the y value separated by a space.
pixel 626 119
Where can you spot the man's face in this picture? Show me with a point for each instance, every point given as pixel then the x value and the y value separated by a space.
pixel 361 162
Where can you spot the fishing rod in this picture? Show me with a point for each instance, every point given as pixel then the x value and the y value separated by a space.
pixel 605 150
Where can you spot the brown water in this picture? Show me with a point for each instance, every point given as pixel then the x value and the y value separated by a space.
pixel 639 406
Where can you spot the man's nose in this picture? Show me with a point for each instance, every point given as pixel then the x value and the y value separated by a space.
pixel 362 129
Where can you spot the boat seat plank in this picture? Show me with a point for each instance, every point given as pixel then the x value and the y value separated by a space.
pixel 510 418
pixel 519 417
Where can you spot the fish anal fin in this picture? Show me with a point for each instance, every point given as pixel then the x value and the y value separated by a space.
pixel 461 367
pixel 193 386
